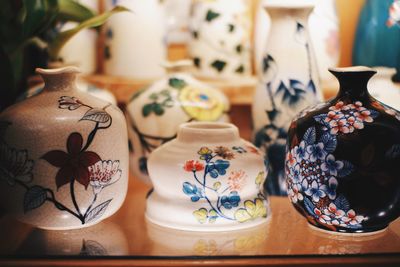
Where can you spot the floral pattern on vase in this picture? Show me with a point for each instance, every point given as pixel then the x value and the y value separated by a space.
pixel 283 92
pixel 179 98
pixel 312 170
pixel 76 164
pixel 214 163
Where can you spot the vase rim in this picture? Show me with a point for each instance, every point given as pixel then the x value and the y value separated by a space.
pixel 355 69
pixel 63 70
pixel 289 4
pixel 212 131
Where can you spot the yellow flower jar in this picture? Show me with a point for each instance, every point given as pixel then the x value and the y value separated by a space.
pixel 155 113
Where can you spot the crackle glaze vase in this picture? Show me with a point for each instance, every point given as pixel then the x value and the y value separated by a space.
pixel 288 83
pixel 207 179
pixel 155 113
pixel 343 158
pixel 63 156
pixel 220 39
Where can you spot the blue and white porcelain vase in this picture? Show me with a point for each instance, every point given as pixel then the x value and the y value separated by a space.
pixel 343 159
pixel 288 83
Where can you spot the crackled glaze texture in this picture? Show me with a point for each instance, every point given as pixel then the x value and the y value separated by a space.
pixel 343 157
pixel 207 179
pixel 63 156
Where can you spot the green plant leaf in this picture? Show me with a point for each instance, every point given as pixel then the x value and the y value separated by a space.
pixel 55 46
pixel 70 10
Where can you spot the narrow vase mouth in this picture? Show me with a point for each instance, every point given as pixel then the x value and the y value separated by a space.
pixel 207 132
pixel 63 70
pixel 353 69
pixel 290 4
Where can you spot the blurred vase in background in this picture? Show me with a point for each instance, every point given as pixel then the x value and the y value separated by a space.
pixel 324 33
pixel 220 38
pixel 135 41
pixel 177 14
pixel 376 41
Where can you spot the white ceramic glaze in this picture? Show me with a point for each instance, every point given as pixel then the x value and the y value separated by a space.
pixel 64 156
pixel 177 14
pixel 135 41
pixel 155 113
pixel 288 82
pixel 324 33
pixel 383 88
pixel 220 39
pixel 207 179
pixel 81 49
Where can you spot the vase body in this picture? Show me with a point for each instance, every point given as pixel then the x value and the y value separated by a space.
pixel 324 34
pixel 373 36
pixel 131 51
pixel 177 14
pixel 155 113
pixel 81 49
pixel 64 156
pixel 384 89
pixel 207 179
pixel 220 39
pixel 342 159
pixel 288 84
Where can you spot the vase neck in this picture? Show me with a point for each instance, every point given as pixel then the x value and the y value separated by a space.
pixel 299 10
pixel 353 81
pixel 61 79
pixel 207 132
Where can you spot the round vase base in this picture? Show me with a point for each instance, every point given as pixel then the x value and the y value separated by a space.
pixel 343 234
pixel 208 228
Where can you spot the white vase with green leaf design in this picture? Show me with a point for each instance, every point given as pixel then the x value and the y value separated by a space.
pixel 155 113
pixel 287 84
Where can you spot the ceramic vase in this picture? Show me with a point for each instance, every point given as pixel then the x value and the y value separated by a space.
pixel 220 39
pixel 383 88
pixel 376 41
pixel 135 41
pixel 155 113
pixel 64 156
pixel 81 49
pixel 342 160
pixel 207 179
pixel 177 14
pixel 287 84
pixel 324 33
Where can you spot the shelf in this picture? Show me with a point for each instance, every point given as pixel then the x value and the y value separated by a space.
pixel 126 239
pixel 238 92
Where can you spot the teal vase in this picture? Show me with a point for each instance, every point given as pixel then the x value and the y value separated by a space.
pixel 376 44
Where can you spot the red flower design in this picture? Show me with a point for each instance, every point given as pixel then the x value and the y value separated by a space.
pixel 74 163
pixel 192 165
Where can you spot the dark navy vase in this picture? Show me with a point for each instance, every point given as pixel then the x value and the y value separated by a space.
pixel 343 159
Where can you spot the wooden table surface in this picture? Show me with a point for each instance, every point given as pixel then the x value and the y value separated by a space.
pixel 127 239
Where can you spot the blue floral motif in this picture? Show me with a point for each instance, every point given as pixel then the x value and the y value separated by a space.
pixel 230 201
pixel 218 167
pixel 314 190
pixel 193 191
pixel 214 163
pixel 312 170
